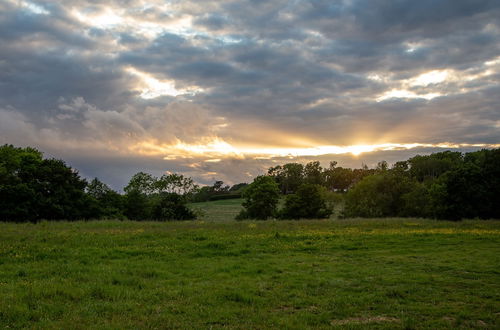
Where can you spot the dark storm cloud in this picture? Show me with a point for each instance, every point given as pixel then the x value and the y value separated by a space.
pixel 87 80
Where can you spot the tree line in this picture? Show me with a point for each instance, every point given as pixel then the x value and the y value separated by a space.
pixel 445 185
pixel 33 188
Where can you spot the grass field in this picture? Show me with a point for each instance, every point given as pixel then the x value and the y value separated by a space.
pixel 390 273
pixel 222 210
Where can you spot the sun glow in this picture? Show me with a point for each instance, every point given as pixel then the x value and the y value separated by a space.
pixel 431 77
pixel 405 94
pixel 216 149
pixel 105 19
pixel 152 88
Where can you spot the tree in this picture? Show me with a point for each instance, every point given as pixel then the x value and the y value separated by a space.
pixel 171 206
pixel 471 189
pixel 313 173
pixel 61 192
pixel 142 182
pixel 308 202
pixel 18 197
pixel 432 166
pixel 137 196
pixel 338 178
pixel 174 183
pixel 261 199
pixel 379 195
pixel 106 202
pixel 238 187
pixel 137 205
pixel 289 176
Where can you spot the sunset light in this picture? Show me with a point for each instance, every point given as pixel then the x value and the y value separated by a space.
pixel 259 164
pixel 219 90
pixel 215 149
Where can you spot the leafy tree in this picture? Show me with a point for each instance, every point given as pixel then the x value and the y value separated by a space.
pixel 33 188
pixel 137 205
pixel 378 195
pixel 471 189
pixel 219 187
pixel 382 166
pixel 417 202
pixel 313 173
pixel 261 199
pixel 289 176
pixel 338 178
pixel 174 183
pixel 171 206
pixel 238 187
pixel 142 182
pixel 18 196
pixel 308 202
pixel 432 166
pixel 61 191
pixel 107 203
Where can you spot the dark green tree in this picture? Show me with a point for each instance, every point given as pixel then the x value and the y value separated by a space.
pixel 261 199
pixel 313 173
pixel 308 202
pixel 171 206
pixel 338 178
pixel 106 202
pixel 137 205
pixel 379 195
pixel 33 188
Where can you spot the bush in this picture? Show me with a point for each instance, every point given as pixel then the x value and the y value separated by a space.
pixel 307 203
pixel 225 196
pixel 172 206
pixel 261 199
pixel 379 195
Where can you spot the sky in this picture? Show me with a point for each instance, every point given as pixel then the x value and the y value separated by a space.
pixel 222 90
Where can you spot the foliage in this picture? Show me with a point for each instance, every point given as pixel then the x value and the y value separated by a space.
pixel 148 197
pixel 379 195
pixel 338 178
pixel 107 203
pixel 218 191
pixel 141 182
pixel 33 188
pixel 313 173
pixel 239 187
pixel 171 206
pixel 308 202
pixel 174 183
pixel 261 199
pixel 445 185
pixel 288 177
pixel 432 166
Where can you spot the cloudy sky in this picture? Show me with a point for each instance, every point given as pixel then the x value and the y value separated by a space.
pixel 225 89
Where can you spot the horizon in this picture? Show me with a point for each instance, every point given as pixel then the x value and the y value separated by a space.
pixel 224 90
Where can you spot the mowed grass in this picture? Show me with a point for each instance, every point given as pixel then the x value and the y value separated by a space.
pixel 392 273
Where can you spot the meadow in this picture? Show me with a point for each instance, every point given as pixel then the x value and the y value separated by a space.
pixel 220 273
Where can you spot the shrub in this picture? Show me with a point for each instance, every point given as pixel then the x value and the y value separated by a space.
pixel 172 206
pixel 261 199
pixel 308 202
pixel 379 195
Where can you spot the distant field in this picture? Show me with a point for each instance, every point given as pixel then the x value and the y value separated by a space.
pixel 292 274
pixel 222 210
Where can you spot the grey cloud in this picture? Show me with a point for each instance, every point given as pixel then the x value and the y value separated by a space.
pixel 213 21
pixel 278 68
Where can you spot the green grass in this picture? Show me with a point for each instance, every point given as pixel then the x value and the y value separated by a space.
pixel 222 210
pixel 390 273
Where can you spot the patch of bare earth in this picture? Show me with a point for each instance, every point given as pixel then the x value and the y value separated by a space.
pixel 365 320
